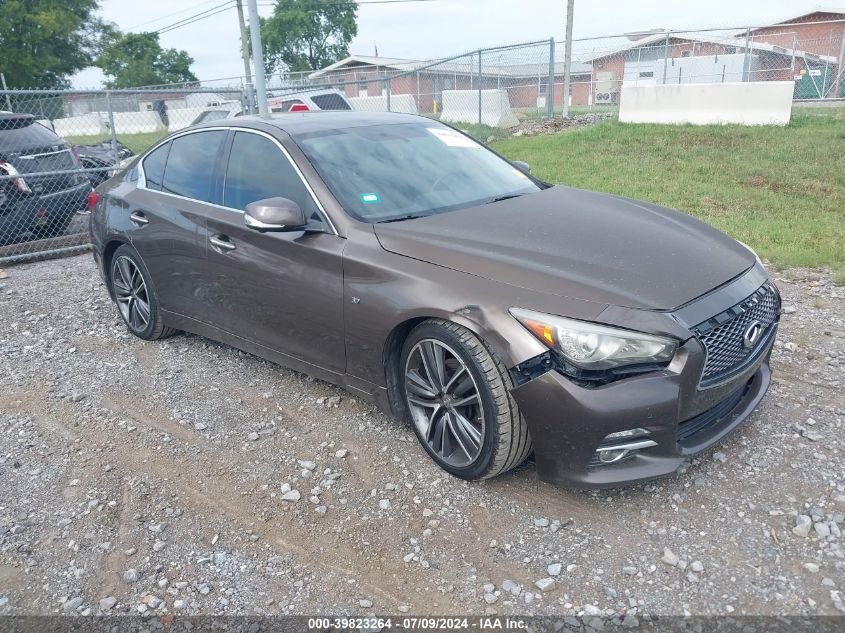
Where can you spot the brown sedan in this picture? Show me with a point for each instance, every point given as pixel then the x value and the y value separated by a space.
pixel 498 315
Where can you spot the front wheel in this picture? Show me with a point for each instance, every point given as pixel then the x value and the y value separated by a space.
pixel 135 295
pixel 457 396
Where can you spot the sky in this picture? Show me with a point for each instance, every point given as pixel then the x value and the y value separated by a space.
pixel 436 28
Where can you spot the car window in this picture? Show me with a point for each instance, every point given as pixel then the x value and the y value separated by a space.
pixel 258 169
pixel 154 167
pixel 330 101
pixel 190 165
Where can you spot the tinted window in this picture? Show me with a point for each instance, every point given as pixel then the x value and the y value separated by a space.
pixel 258 169
pixel 190 165
pixel 154 166
pixel 330 101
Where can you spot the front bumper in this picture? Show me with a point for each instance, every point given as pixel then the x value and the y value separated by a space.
pixel 568 422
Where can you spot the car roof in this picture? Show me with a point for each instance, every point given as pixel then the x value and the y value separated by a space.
pixel 296 123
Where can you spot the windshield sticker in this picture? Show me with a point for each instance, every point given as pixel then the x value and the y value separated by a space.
pixel 453 138
pixel 370 198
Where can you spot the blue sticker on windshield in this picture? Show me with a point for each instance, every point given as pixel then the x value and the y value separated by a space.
pixel 369 198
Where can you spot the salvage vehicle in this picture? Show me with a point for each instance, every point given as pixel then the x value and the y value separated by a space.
pixel 42 185
pixel 103 157
pixel 497 314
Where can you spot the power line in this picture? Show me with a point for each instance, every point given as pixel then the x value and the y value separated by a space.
pixel 220 8
pixel 170 15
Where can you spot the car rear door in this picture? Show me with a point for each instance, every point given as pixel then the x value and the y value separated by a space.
pixel 281 290
pixel 167 215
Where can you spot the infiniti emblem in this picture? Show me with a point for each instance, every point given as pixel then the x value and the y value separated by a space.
pixel 752 334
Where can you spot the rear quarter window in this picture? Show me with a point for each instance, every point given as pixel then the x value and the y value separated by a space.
pixel 154 167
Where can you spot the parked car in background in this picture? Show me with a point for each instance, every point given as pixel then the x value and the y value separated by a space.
pixel 37 205
pixel 496 314
pixel 102 156
pixel 300 101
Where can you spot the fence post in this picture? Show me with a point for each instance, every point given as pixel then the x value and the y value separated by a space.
pixel 387 91
pixel 550 86
pixel 841 68
pixel 666 56
pixel 417 73
pixel 792 63
pixel 111 127
pixel 746 64
pixel 8 101
pixel 479 86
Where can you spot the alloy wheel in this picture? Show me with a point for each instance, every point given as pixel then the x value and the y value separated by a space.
pixel 444 402
pixel 131 293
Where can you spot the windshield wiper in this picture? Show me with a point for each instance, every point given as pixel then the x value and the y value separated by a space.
pixel 507 196
pixel 401 218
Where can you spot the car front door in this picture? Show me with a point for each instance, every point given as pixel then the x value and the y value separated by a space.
pixel 281 290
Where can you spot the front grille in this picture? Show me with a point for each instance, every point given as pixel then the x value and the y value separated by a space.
pixel 723 335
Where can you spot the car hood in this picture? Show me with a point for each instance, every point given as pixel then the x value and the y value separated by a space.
pixel 576 243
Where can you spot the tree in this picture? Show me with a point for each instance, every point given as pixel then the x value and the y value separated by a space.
pixel 308 34
pixel 137 59
pixel 45 42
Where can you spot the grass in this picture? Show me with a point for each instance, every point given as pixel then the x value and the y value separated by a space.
pixel 779 189
pixel 136 142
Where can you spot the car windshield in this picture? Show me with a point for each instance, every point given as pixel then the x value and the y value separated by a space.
pixel 397 171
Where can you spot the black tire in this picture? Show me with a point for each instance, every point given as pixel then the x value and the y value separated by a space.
pixel 152 327
pixel 505 442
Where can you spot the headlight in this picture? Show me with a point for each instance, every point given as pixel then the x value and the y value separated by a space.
pixel 595 347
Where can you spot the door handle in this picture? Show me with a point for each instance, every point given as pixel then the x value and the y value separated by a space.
pixel 139 218
pixel 221 241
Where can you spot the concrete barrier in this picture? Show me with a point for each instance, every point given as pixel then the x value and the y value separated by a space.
pixel 744 103
pixel 461 106
pixel 139 122
pixel 84 125
pixel 398 103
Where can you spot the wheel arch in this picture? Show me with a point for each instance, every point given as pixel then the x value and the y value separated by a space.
pixel 108 253
pixel 392 350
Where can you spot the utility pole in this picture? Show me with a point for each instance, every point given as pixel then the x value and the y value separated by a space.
pixel 244 44
pixel 257 58
pixel 567 61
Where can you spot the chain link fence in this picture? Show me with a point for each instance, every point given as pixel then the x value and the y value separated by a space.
pixel 56 145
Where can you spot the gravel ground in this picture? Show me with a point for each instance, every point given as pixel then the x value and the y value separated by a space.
pixel 187 477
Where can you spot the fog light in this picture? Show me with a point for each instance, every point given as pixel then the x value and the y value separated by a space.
pixel 611 456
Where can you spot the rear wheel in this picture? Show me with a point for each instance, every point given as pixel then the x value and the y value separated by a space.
pixel 135 295
pixel 457 396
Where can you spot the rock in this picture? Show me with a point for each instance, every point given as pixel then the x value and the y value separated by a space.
pixel 629 571
pixel 341 453
pixel 252 437
pixel 307 464
pixel 384 504
pixel 511 587
pixel 490 598
pixel 291 495
pixel 528 597
pixel 720 457
pixel 545 584
pixel 200 426
pixel 321 509
pixel 365 604
pixel 72 604
pixel 803 523
pixel 811 567
pixel 669 557
pixel 697 566
pixel 789 309
pixel 106 604
pixel 131 575
pixel 822 529
pixel 541 522
pixel 554 569
pixel 403 608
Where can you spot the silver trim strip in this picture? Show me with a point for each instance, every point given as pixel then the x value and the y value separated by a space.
pixel 142 177
pixel 31 156
pixel 630 446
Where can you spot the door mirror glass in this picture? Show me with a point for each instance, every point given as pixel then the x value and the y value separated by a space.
pixel 274 214
pixel 521 166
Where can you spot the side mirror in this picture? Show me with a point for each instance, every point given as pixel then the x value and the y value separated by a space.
pixel 274 214
pixel 522 166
